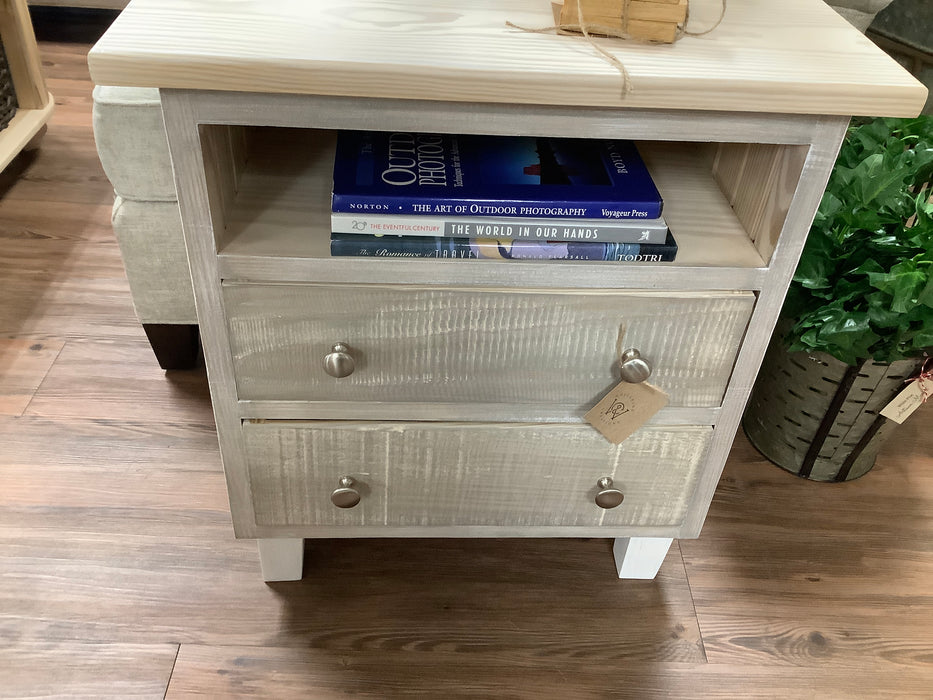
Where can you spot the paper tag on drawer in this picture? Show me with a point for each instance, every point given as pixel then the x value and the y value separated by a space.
pixel 625 409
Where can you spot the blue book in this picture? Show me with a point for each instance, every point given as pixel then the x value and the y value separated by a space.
pixel 492 176
pixel 363 245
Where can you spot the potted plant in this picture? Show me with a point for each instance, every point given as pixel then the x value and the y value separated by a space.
pixel 857 324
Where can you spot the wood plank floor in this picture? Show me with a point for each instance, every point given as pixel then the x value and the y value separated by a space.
pixel 119 576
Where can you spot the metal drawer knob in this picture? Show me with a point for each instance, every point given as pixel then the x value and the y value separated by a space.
pixel 608 497
pixel 345 496
pixel 633 367
pixel 338 362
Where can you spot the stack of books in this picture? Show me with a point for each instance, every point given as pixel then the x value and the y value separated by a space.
pixel 412 195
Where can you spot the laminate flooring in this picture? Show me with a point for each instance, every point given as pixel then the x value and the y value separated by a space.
pixel 120 577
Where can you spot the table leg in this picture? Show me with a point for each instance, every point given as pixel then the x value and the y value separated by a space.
pixel 281 559
pixel 640 557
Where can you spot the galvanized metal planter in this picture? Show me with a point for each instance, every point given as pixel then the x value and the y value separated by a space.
pixel 818 417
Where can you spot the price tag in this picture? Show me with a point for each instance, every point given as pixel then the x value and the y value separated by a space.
pixel 905 403
pixel 625 409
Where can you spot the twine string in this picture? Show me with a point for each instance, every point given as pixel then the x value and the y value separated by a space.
pixel 924 379
pixel 621 32
pixel 612 58
pixel 722 14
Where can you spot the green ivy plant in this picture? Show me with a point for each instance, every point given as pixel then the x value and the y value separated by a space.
pixel 864 284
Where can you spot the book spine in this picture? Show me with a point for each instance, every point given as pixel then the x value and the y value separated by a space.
pixel 512 208
pixel 493 249
pixel 623 231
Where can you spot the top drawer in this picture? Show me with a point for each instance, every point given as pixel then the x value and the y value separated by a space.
pixel 463 345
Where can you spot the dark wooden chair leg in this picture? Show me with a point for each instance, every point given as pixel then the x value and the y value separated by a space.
pixel 176 345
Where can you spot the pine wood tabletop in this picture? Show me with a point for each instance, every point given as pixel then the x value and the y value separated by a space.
pixel 797 56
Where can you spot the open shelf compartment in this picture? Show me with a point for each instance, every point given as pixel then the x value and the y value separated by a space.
pixel 725 203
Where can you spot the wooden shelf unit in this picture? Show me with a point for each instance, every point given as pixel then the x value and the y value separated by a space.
pixel 35 104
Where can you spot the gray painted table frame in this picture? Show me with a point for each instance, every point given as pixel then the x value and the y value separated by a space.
pixel 199 161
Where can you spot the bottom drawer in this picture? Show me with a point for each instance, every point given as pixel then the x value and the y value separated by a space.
pixel 444 474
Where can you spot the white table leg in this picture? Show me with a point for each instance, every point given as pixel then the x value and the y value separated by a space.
pixel 640 557
pixel 281 559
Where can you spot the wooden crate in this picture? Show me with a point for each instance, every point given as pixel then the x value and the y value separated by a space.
pixel 644 20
